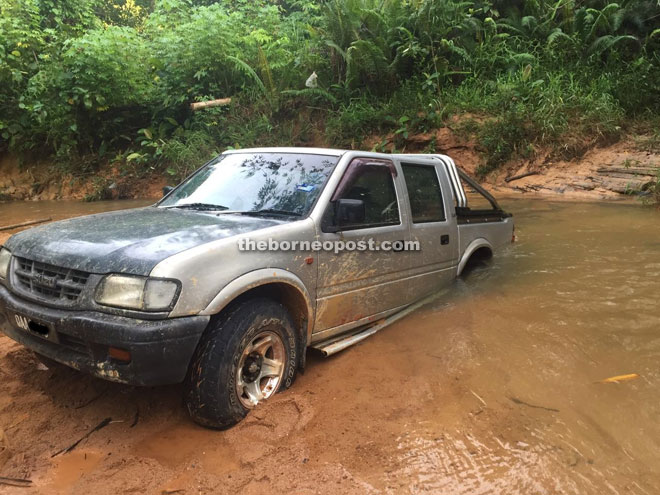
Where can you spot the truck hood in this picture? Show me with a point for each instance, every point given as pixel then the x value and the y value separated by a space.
pixel 128 241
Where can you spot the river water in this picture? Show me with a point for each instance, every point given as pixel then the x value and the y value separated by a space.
pixel 575 301
pixel 494 388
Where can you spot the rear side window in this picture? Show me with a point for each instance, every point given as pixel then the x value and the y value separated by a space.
pixel 424 193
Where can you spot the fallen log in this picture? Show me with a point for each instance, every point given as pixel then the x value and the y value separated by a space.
pixel 25 224
pixel 516 177
pixel 200 105
pixel 629 171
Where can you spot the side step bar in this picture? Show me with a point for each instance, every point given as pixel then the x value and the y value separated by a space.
pixel 336 344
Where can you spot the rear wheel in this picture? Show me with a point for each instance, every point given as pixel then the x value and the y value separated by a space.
pixel 245 356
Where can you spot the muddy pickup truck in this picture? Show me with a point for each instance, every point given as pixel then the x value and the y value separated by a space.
pixel 232 275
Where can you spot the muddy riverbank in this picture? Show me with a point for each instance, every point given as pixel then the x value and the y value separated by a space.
pixel 608 172
pixel 494 388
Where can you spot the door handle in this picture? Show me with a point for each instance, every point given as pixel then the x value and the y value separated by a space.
pixel 444 239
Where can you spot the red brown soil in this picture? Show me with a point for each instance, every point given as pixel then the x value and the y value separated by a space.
pixel 43 181
pixel 602 172
pixel 586 177
pixel 332 433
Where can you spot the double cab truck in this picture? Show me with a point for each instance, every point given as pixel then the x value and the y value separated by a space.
pixel 227 280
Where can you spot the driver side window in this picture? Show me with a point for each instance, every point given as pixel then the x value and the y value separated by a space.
pixel 374 186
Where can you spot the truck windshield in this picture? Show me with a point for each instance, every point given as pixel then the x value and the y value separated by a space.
pixel 253 183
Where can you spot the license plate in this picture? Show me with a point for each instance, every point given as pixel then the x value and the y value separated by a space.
pixel 22 322
pixel 29 325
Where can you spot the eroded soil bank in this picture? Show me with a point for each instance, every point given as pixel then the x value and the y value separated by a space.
pixel 493 389
pixel 602 172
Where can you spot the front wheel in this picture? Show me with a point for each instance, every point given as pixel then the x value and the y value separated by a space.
pixel 244 357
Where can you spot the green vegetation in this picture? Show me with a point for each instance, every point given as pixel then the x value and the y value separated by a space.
pixel 90 82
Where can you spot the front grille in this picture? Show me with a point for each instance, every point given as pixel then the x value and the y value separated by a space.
pixel 50 282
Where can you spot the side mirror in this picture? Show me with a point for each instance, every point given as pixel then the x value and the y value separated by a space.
pixel 347 212
pixel 167 190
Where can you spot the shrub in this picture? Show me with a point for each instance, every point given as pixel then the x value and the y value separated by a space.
pixel 81 77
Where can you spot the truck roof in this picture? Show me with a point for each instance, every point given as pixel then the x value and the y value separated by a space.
pixel 331 152
pixel 307 151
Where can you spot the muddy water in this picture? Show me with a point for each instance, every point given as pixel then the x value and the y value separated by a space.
pixel 15 212
pixel 493 389
pixel 575 301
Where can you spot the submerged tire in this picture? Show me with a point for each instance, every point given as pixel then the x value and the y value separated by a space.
pixel 244 357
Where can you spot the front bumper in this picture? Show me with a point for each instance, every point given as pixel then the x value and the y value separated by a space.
pixel 160 350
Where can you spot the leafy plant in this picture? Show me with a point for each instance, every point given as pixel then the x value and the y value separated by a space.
pixel 81 78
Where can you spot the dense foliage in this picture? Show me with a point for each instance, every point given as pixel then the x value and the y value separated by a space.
pixel 82 78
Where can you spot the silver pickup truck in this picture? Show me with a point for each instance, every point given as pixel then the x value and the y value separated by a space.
pixel 258 255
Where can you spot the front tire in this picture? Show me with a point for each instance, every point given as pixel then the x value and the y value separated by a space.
pixel 244 357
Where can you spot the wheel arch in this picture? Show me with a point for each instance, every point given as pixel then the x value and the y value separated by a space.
pixel 477 246
pixel 276 284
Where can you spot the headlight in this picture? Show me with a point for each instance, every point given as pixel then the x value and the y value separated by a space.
pixel 5 258
pixel 141 293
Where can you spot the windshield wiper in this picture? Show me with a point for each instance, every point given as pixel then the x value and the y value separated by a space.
pixel 199 206
pixel 270 211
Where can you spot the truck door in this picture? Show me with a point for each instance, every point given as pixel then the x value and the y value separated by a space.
pixel 355 285
pixel 433 225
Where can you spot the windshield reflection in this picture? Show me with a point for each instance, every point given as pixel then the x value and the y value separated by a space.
pixel 251 182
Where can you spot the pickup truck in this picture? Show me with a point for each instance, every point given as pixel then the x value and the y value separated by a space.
pixel 227 280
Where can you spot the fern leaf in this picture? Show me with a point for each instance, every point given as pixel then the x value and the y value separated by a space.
pixel 556 35
pixel 337 48
pixel 607 42
pixel 248 71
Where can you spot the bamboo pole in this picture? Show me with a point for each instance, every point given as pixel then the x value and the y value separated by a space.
pixel 200 105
